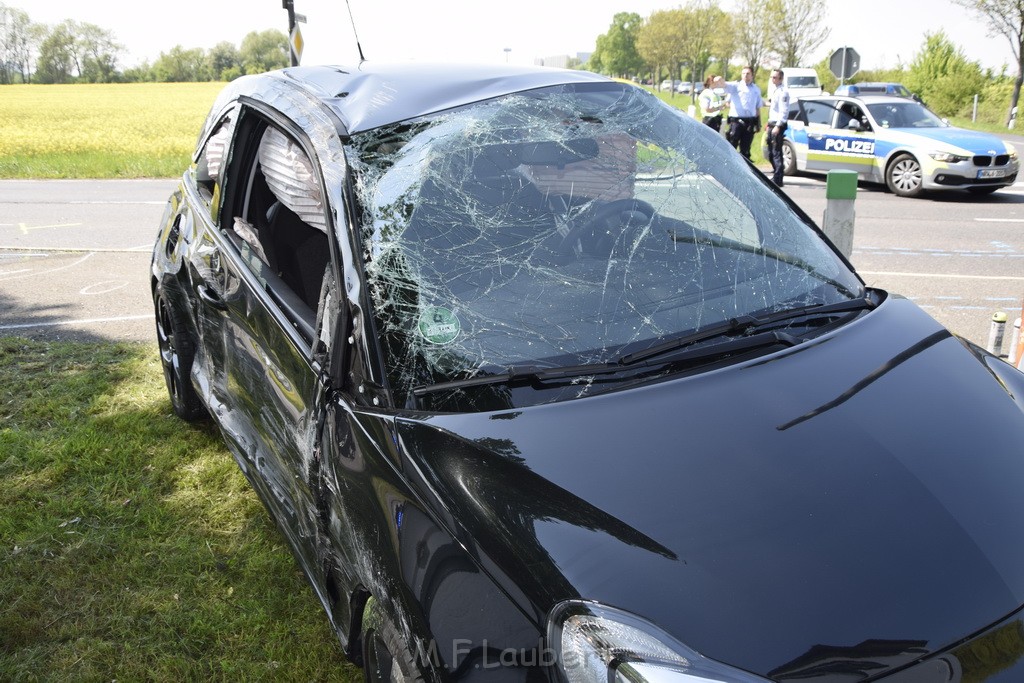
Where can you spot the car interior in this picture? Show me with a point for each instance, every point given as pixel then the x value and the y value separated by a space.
pixel 279 225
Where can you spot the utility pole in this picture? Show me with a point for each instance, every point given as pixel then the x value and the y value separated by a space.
pixel 290 6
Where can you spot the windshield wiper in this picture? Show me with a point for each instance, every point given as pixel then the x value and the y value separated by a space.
pixel 790 259
pixel 524 375
pixel 740 329
pixel 744 325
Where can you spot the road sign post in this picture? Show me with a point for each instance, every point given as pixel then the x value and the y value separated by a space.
pixel 844 63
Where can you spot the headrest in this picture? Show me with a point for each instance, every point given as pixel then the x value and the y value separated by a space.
pixel 557 153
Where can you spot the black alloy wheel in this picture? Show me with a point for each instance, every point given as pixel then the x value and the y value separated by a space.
pixel 387 657
pixel 176 355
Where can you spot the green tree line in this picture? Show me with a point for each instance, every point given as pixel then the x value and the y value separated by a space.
pixel 684 43
pixel 700 38
pixel 80 52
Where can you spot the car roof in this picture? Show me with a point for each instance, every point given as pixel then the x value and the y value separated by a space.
pixel 866 99
pixel 370 95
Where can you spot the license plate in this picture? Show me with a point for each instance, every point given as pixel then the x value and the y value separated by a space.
pixel 991 173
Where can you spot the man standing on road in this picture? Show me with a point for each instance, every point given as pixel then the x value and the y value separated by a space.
pixel 745 104
pixel 778 112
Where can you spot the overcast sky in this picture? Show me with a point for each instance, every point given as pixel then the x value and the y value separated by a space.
pixel 882 31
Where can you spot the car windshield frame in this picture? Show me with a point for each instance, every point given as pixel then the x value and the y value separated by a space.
pixel 565 227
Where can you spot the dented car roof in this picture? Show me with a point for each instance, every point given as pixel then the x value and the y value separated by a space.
pixel 370 95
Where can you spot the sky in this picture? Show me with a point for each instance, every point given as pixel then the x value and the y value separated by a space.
pixel 884 32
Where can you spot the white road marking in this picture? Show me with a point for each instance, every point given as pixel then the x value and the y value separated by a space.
pixel 12 272
pixel 52 270
pixel 83 321
pixel 25 228
pixel 98 201
pixel 103 287
pixel 73 250
pixel 1010 278
pixel 1000 220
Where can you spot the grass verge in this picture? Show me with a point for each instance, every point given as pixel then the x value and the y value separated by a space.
pixel 131 546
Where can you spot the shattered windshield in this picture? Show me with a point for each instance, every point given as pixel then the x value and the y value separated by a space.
pixel 560 228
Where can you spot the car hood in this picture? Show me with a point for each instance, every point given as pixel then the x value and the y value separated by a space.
pixel 847 505
pixel 971 141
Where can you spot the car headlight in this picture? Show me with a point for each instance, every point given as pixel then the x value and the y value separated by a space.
pixel 948 157
pixel 1011 150
pixel 598 644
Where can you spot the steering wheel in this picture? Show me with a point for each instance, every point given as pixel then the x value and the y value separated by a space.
pixel 629 213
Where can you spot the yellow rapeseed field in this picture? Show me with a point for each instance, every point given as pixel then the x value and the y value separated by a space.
pixel 101 130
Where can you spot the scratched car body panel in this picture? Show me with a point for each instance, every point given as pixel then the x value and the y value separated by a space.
pixel 542 381
pixel 896 141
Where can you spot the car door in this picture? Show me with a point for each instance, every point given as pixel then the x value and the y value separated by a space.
pixel 844 140
pixel 259 297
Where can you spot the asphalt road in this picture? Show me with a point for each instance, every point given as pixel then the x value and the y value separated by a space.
pixel 74 254
pixel 74 257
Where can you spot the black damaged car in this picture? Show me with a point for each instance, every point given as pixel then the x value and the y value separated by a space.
pixel 543 382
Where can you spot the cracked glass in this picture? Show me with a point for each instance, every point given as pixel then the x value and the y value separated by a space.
pixel 563 228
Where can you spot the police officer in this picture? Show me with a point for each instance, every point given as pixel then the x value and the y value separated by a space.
pixel 745 104
pixel 778 112
pixel 712 103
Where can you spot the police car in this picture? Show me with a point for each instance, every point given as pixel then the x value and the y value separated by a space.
pixel 895 141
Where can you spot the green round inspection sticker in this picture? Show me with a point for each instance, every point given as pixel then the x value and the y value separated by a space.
pixel 439 325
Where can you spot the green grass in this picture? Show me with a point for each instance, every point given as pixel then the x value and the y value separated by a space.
pixel 681 101
pixel 91 164
pixel 131 546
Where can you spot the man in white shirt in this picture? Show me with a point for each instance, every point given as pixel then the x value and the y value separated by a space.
pixel 745 104
pixel 778 112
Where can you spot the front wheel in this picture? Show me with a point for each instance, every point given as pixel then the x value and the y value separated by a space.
pixel 176 355
pixel 387 657
pixel 904 176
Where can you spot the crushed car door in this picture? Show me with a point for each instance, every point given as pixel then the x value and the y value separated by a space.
pixel 272 254
pixel 196 225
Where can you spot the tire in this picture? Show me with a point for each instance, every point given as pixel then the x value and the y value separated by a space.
pixel 903 176
pixel 387 657
pixel 788 158
pixel 981 191
pixel 176 355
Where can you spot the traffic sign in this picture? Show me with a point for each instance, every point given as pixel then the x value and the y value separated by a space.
pixel 844 63
pixel 297 44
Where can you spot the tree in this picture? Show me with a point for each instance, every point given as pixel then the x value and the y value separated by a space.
pixel 99 54
pixel 660 41
pixel 1005 18
pixel 704 27
pixel 752 24
pixel 181 66
pixel 223 61
pixel 798 28
pixel 616 51
pixel 15 39
pixel 943 76
pixel 264 51
pixel 58 55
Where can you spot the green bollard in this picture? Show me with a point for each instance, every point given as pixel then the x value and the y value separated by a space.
pixel 840 191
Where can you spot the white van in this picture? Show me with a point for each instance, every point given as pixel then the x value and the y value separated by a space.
pixel 800 82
